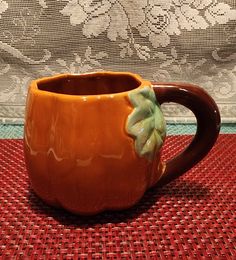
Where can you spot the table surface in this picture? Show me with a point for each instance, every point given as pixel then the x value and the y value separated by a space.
pixel 16 131
pixel 192 217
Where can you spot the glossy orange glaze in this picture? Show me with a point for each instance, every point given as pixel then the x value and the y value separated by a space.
pixel 78 153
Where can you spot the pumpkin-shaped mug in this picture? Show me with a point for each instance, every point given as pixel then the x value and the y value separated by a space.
pixel 92 142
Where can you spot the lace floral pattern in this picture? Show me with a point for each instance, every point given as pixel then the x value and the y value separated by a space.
pixel 163 40
pixel 155 20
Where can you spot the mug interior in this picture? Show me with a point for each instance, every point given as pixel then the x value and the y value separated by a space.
pixel 90 84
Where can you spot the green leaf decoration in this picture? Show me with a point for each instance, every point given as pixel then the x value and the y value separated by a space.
pixel 146 122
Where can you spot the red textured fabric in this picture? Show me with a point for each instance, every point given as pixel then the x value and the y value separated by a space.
pixel 191 218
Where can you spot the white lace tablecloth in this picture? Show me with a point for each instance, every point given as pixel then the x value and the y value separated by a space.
pixel 162 40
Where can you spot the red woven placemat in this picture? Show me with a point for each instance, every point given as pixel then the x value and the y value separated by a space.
pixel 193 217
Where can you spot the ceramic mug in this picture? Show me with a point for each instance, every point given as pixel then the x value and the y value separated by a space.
pixel 93 142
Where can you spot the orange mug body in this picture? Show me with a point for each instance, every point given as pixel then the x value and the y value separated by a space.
pixel 82 143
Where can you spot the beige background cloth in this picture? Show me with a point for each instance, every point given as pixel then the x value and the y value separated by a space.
pixel 162 40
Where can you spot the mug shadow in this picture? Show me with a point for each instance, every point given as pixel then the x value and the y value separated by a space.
pixel 177 189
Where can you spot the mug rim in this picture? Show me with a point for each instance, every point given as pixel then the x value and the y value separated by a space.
pixel 35 89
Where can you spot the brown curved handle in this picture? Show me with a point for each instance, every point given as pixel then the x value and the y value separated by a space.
pixel 208 124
